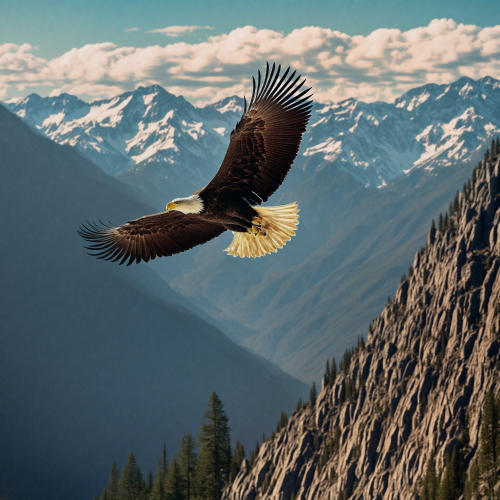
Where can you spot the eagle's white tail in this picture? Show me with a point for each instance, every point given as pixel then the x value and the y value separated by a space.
pixel 277 223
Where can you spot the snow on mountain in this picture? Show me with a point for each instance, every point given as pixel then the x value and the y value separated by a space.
pixel 129 131
pixel 151 137
pixel 428 126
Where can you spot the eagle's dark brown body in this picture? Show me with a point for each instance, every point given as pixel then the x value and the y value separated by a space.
pixel 262 148
pixel 227 208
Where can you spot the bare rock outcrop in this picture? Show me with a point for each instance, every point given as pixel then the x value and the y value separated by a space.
pixel 421 378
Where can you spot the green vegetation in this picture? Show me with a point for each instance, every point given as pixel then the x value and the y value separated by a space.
pixel 188 475
pixel 313 394
pixel 482 479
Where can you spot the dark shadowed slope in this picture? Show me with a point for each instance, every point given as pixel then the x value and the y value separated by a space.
pixel 91 365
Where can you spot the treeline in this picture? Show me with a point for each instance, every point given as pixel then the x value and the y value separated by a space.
pixel 190 474
pixel 483 479
pixel 198 471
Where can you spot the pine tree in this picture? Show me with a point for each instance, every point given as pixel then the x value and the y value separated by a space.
pixel 440 223
pixel 255 452
pixel 327 372
pixel 140 485
pixel 149 484
pixel 333 372
pixel 112 487
pixel 214 459
pixel 283 421
pixel 452 480
pixel 158 490
pixel 488 452
pixel 487 155
pixel 127 485
pixel 446 224
pixel 174 487
pixel 238 457
pixel 472 482
pixel 429 488
pixel 498 145
pixel 187 465
pixel 433 224
pixel 299 404
pixel 312 396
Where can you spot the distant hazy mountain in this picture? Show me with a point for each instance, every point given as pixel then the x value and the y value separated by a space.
pixel 97 360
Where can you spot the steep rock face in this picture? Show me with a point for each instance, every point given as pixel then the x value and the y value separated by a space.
pixel 429 360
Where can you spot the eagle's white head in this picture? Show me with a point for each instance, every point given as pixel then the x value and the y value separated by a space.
pixel 191 205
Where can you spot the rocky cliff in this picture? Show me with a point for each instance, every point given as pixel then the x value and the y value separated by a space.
pixel 419 381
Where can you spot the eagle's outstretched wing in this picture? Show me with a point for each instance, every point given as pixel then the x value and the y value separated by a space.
pixel 266 140
pixel 152 236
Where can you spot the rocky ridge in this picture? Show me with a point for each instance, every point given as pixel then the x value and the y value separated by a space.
pixel 421 378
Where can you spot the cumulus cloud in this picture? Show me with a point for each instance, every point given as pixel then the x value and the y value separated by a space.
pixel 379 66
pixel 128 30
pixel 180 30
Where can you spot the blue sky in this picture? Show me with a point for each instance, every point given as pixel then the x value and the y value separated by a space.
pixel 58 25
pixel 83 47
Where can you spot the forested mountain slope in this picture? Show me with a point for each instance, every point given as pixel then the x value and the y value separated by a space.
pixel 404 416
pixel 92 364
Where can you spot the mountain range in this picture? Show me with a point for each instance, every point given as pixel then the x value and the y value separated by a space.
pixel 369 178
pixel 97 360
pixel 150 132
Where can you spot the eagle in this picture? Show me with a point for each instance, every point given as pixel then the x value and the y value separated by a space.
pixel 262 148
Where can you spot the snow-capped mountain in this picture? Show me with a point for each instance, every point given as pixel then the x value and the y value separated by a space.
pixel 157 141
pixel 428 126
pixel 141 131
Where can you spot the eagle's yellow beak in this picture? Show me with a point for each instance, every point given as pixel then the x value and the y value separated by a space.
pixel 171 205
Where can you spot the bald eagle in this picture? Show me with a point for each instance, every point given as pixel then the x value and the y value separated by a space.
pixel 262 148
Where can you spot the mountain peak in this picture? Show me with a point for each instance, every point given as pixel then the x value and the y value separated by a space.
pixel 232 104
pixel 428 126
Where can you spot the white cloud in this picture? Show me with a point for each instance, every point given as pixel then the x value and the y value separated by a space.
pixel 378 66
pixel 128 30
pixel 180 30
